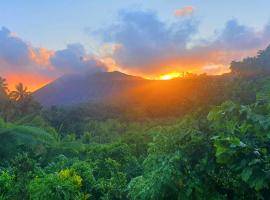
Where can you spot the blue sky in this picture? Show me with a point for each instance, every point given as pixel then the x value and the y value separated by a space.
pixel 53 24
pixel 42 40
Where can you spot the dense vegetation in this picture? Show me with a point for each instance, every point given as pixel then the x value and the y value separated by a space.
pixel 213 151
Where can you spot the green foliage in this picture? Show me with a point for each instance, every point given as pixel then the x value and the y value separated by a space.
pixel 253 65
pixel 118 152
pixel 242 146
pixel 64 185
pixel 225 157
pixel 216 153
pixel 104 132
pixel 15 139
pixel 7 181
pixel 111 182
pixel 171 170
pixel 24 169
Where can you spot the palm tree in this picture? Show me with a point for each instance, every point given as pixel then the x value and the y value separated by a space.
pixel 4 100
pixel 20 93
pixel 3 85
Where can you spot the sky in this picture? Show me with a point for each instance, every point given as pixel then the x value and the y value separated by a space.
pixel 43 40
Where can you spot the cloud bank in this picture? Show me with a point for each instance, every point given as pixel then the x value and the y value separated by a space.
pixel 20 61
pixel 147 45
pixel 75 59
pixel 138 43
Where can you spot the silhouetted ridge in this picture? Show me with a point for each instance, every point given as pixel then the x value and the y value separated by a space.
pixel 78 88
pixel 259 64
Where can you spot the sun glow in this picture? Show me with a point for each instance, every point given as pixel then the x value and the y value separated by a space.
pixel 33 82
pixel 170 76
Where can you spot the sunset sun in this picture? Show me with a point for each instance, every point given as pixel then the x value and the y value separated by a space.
pixel 169 76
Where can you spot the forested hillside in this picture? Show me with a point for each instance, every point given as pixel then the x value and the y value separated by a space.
pixel 214 144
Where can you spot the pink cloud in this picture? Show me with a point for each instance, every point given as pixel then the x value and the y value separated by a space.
pixel 184 11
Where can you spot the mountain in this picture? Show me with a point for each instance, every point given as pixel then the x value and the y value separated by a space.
pixel 132 90
pixel 118 91
pixel 78 88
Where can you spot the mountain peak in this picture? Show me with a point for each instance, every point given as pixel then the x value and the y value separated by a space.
pixel 114 75
pixel 79 88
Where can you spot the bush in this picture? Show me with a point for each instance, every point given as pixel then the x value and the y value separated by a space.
pixel 64 185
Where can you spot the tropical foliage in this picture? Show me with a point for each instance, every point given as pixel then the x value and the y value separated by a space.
pixel 218 151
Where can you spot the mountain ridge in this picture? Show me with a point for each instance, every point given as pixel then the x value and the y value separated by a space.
pixel 81 88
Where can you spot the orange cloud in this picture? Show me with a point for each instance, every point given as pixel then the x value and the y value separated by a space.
pixel 211 61
pixel 184 11
pixel 41 56
pixel 35 67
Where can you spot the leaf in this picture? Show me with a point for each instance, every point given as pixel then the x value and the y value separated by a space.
pixel 220 150
pixel 259 184
pixel 246 174
pixel 235 141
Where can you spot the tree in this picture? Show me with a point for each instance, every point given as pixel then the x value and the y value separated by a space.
pixel 258 65
pixel 6 184
pixel 3 86
pixel 64 185
pixel 24 103
pixel 20 94
pixel 4 100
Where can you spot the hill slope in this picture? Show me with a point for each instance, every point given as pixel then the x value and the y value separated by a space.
pixel 155 97
pixel 74 89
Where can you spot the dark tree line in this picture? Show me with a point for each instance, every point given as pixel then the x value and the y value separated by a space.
pixel 18 103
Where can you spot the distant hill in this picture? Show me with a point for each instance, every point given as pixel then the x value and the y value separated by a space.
pixel 259 64
pixel 118 91
pixel 155 97
pixel 78 88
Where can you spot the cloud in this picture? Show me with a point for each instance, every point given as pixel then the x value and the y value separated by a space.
pixel 13 50
pixel 145 42
pixel 21 60
pixel 234 42
pixel 138 43
pixel 238 37
pixel 184 11
pixel 41 56
pixel 18 56
pixel 149 46
pixel 74 59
